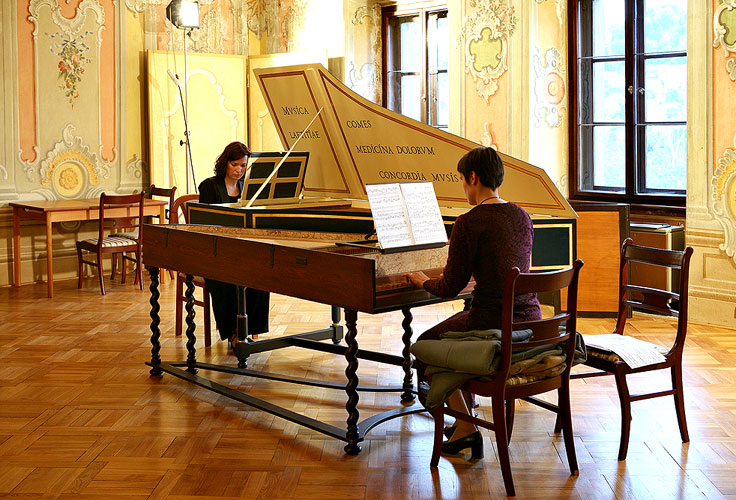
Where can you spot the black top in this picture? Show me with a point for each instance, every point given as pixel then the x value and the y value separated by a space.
pixel 213 190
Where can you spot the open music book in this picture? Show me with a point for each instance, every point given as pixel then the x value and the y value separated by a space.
pixel 406 215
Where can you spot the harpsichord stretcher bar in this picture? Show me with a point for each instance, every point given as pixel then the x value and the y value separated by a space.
pixel 298 248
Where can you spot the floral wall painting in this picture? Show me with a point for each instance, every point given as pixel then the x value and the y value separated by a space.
pixel 72 52
pixel 723 199
pixel 549 88
pixel 724 26
pixel 485 36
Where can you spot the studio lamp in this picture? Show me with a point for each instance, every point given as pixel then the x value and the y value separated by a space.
pixel 184 14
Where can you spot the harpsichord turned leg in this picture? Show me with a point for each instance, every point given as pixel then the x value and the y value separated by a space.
pixel 352 436
pixel 336 327
pixel 191 339
pixel 407 396
pixel 155 321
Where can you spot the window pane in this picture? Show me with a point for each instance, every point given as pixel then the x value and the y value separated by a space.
pixel 609 98
pixel 609 157
pixel 411 96
pixel 665 25
pixel 608 28
pixel 666 160
pixel 665 81
pixel 443 105
pixel 411 44
pixel 443 43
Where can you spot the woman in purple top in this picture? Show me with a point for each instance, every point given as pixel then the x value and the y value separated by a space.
pixel 486 242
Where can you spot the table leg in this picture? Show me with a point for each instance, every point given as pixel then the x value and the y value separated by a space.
pixel 16 246
pixel 155 321
pixel 50 257
pixel 351 320
pixel 407 395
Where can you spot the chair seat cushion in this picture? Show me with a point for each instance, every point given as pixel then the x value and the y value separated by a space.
pixel 620 348
pixel 111 241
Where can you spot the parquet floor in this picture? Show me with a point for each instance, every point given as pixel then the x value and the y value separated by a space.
pixel 80 417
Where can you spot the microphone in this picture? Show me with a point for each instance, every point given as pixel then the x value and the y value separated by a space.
pixel 174 78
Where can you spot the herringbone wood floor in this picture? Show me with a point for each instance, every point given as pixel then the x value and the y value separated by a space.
pixel 81 417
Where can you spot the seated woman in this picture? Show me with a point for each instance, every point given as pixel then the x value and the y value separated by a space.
pixel 486 242
pixel 225 187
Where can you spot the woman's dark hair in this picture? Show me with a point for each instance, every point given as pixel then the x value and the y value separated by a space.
pixel 233 151
pixel 486 164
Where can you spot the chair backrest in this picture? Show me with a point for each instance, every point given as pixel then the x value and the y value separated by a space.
pixel 163 192
pixel 650 299
pixel 133 219
pixel 179 204
pixel 546 331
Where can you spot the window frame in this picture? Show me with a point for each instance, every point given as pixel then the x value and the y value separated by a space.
pixel 429 103
pixel 635 123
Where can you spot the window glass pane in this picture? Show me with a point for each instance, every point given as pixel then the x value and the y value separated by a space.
pixel 666 160
pixel 609 157
pixel 665 81
pixel 443 43
pixel 411 44
pixel 411 96
pixel 608 28
pixel 609 99
pixel 443 105
pixel 665 25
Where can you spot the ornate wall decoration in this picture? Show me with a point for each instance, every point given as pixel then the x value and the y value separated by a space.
pixel 362 75
pixel 72 62
pixel 137 167
pixel 257 17
pixel 561 6
pixel 487 139
pixel 70 167
pixel 485 36
pixel 211 35
pixel 549 88
pixel 724 26
pixel 723 199
pixel 136 6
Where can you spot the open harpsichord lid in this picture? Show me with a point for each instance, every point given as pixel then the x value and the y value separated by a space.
pixel 354 142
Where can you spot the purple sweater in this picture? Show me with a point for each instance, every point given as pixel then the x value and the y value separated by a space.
pixel 486 243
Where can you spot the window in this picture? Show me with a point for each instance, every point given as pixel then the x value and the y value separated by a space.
pixel 631 101
pixel 415 54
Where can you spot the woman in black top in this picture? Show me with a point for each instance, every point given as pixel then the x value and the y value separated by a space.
pixel 225 187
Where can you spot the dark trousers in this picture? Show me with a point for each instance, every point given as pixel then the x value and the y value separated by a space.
pixel 225 306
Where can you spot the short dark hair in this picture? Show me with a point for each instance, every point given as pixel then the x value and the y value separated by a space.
pixel 233 151
pixel 486 163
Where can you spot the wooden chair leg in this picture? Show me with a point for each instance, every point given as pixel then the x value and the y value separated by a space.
pixel 502 442
pixel 100 274
pixel 558 424
pixel 680 401
pixel 139 269
pixel 625 401
pixel 565 414
pixel 206 316
pixel 114 265
pixel 439 423
pixel 123 267
pixel 510 411
pixel 179 294
pixel 81 266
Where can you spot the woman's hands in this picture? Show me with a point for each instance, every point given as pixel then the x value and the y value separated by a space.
pixel 417 278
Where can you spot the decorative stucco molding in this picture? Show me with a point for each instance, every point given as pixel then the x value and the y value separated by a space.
pixel 485 36
pixel 136 167
pixel 549 88
pixel 137 6
pixel 722 200
pixel 561 6
pixel 724 27
pixel 487 138
pixel 69 26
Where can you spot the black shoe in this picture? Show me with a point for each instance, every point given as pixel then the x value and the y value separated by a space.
pixel 449 430
pixel 473 441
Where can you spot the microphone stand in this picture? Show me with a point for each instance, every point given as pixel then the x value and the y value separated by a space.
pixel 184 98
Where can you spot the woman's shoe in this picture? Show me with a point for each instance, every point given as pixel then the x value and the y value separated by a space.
pixel 473 441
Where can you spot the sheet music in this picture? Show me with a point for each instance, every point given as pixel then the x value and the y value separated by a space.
pixel 424 214
pixel 635 352
pixel 389 215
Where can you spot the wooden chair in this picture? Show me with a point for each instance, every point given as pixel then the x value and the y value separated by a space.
pixel 504 390
pixel 148 193
pixel 651 300
pixel 181 277
pixel 114 243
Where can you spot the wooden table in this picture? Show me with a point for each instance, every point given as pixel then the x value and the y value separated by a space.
pixel 51 211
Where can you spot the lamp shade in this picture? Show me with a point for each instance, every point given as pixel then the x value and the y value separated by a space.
pixel 183 13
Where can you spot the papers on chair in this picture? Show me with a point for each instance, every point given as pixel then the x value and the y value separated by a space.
pixel 406 214
pixel 636 353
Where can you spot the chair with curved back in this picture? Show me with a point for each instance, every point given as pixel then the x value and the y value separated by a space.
pixel 504 389
pixel 177 208
pixel 113 243
pixel 653 300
